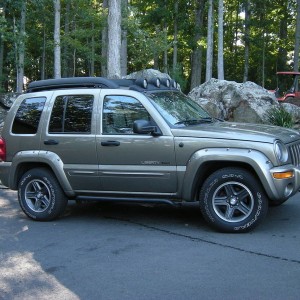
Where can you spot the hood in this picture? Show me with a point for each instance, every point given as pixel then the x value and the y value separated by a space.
pixel 239 131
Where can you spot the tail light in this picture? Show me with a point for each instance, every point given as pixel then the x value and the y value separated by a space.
pixel 2 150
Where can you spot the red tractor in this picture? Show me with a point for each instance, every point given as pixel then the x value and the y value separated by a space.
pixel 288 87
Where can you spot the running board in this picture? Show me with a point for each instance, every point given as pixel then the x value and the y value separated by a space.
pixel 124 199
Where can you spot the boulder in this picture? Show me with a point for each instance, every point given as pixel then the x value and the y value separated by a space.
pixel 232 101
pixel 147 74
pixel 6 100
pixel 294 110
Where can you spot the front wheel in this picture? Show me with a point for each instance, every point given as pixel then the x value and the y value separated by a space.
pixel 40 195
pixel 232 200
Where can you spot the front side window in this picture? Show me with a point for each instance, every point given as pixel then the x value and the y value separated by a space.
pixel 28 116
pixel 72 114
pixel 119 113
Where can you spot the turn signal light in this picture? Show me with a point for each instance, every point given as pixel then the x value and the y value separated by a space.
pixel 283 175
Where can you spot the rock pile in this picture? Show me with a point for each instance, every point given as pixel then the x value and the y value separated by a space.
pixel 240 102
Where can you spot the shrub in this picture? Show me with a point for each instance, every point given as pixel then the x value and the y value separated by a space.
pixel 280 117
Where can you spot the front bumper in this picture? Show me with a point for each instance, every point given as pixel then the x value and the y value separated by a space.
pixel 285 186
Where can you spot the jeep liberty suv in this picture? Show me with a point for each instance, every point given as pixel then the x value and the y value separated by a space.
pixel 133 140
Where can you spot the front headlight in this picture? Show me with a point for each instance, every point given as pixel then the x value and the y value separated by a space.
pixel 281 152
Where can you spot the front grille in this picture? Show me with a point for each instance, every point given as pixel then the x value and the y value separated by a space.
pixel 294 150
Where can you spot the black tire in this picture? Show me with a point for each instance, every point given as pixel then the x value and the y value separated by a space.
pixel 40 195
pixel 232 200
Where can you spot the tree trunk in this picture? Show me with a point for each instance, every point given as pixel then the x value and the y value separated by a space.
pixel 210 41
pixel 155 54
pixel 175 46
pixel 247 40
pixel 2 52
pixel 104 42
pixel 166 50
pixel 21 49
pixel 66 54
pixel 1 61
pixel 92 59
pixel 297 39
pixel 57 50
pixel 124 39
pixel 114 39
pixel 43 62
pixel 196 61
pixel 283 41
pixel 220 41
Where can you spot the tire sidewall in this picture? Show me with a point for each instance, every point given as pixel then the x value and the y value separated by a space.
pixel 53 209
pixel 233 175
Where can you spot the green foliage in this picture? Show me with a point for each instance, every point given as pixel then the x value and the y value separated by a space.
pixel 150 29
pixel 280 117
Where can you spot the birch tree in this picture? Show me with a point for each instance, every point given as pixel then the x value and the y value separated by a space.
pixel 297 39
pixel 175 37
pixel 220 41
pixel 104 41
pixel 21 49
pixel 3 24
pixel 210 41
pixel 196 68
pixel 57 50
pixel 247 39
pixel 114 39
pixel 124 38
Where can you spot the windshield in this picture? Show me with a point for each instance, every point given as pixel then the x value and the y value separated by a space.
pixel 178 110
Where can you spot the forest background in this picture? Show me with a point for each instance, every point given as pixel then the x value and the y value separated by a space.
pixel 192 40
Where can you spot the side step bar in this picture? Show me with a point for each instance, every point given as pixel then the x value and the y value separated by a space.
pixel 132 200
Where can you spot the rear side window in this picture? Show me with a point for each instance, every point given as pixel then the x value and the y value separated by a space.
pixel 72 114
pixel 28 116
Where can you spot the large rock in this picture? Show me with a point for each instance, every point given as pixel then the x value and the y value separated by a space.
pixel 147 74
pixel 6 101
pixel 232 101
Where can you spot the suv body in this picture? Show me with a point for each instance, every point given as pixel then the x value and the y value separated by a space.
pixel 124 140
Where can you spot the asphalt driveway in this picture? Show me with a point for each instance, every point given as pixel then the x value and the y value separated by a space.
pixel 125 251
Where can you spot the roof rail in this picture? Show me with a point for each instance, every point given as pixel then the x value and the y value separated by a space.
pixel 72 82
pixel 140 84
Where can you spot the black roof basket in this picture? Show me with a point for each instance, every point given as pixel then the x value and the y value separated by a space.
pixel 74 82
pixel 140 84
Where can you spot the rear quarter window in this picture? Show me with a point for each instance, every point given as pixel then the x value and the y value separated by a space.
pixel 28 116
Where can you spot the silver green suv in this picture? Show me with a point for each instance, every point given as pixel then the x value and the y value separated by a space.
pixel 133 140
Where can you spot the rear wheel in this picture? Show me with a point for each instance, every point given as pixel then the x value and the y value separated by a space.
pixel 232 200
pixel 40 195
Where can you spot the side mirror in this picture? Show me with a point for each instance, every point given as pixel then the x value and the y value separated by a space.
pixel 145 127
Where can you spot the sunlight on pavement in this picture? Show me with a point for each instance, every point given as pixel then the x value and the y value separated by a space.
pixel 22 277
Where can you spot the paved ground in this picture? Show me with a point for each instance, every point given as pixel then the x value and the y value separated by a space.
pixel 110 251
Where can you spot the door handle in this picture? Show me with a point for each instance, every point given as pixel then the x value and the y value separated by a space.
pixel 51 142
pixel 110 143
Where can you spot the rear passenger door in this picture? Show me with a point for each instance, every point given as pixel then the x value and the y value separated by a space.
pixel 70 133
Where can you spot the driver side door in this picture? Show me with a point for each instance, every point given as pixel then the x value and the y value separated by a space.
pixel 133 163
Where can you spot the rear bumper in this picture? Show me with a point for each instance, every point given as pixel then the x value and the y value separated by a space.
pixel 5 168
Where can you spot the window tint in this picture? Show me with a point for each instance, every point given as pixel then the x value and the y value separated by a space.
pixel 28 116
pixel 119 113
pixel 72 114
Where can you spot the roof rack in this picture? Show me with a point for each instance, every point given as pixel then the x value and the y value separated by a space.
pixel 72 82
pixel 140 84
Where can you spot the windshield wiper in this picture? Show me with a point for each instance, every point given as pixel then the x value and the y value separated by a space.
pixel 195 121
